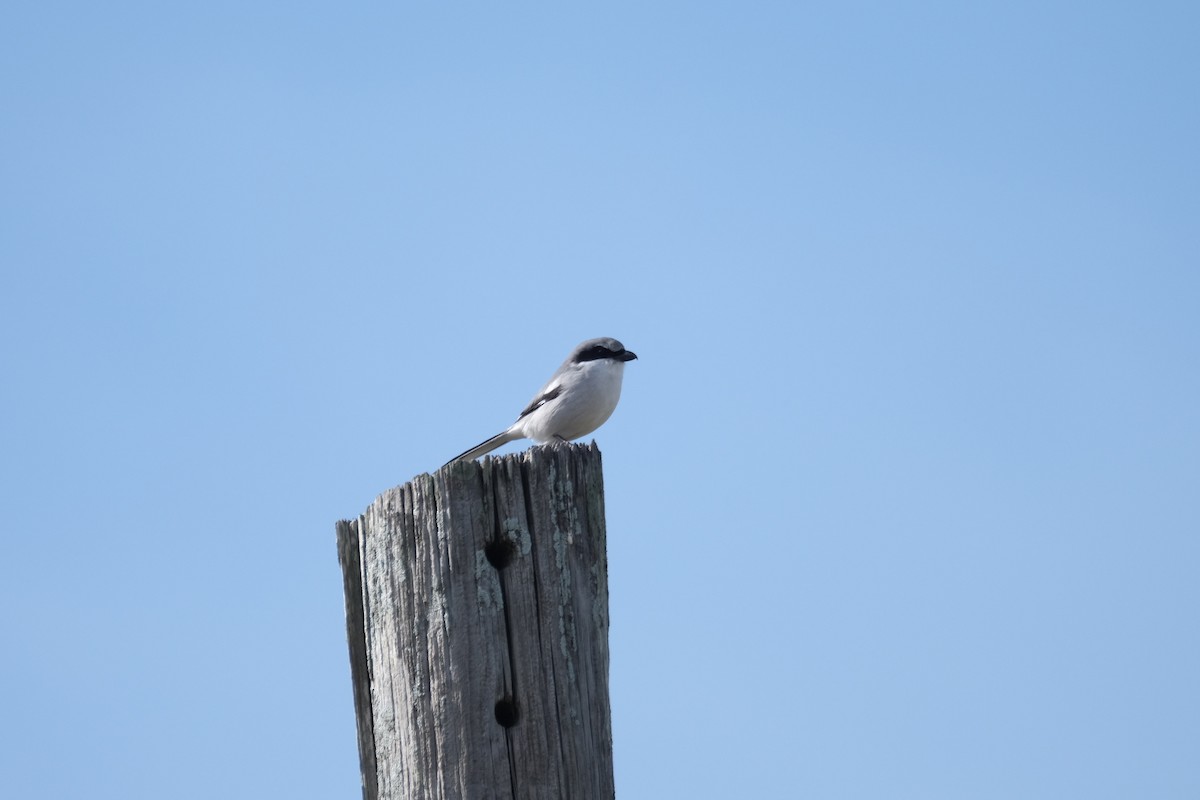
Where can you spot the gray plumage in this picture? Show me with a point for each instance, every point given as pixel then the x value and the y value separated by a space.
pixel 578 398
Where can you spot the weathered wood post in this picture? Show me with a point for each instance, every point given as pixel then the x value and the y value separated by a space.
pixel 477 616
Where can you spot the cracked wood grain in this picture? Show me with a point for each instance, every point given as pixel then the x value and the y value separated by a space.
pixel 477 619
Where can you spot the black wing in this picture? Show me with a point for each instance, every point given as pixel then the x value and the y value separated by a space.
pixel 541 401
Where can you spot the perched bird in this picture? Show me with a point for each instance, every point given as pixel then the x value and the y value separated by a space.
pixel 576 400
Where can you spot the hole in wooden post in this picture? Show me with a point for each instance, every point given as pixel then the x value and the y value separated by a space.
pixel 499 553
pixel 506 712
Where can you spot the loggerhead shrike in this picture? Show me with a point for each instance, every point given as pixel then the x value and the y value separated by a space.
pixel 576 400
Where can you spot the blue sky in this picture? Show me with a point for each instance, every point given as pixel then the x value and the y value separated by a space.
pixel 903 490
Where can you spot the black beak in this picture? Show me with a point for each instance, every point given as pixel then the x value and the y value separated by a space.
pixel 627 355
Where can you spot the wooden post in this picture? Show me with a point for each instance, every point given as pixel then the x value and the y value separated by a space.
pixel 477 615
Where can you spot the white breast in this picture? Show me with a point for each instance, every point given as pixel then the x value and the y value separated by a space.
pixel 590 392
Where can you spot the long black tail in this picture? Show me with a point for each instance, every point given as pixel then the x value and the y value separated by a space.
pixel 485 447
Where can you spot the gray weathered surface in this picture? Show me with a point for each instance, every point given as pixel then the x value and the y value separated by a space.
pixel 439 636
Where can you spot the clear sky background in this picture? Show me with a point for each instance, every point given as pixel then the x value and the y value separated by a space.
pixel 904 489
